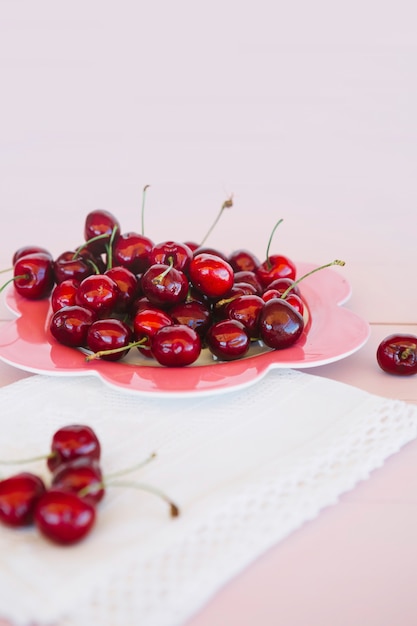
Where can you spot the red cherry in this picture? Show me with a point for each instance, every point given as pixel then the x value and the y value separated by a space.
pixel 69 325
pixel 25 250
pixel 63 294
pixel 71 442
pixel 195 315
pixel 18 497
pixel 211 275
pixel 246 276
pixel 146 324
pixel 97 224
pixel 109 339
pixel 176 346
pixel 64 517
pixel 228 340
pixel 276 266
pixel 82 476
pixel 172 253
pixel 99 293
pixel 397 354
pixel 212 251
pixel 246 310
pixel 128 285
pixel 72 265
pixel 243 261
pixel 296 302
pixel 133 251
pixel 280 325
pixel 283 284
pixel 33 276
pixel 163 285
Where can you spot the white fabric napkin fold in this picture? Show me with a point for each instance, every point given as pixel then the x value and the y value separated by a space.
pixel 246 468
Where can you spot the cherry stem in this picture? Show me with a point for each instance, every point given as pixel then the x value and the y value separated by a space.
pixel 9 269
pixel 143 208
pixel 407 352
pixel 84 245
pixel 11 280
pixel 268 262
pixel 158 279
pixel 31 459
pixel 174 509
pixel 132 468
pixel 100 353
pixel 317 269
pixel 227 204
pixel 109 248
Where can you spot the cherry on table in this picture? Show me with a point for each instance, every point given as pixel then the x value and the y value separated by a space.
pixel 397 354
pixel 18 497
pixel 71 442
pixel 64 517
pixel 82 476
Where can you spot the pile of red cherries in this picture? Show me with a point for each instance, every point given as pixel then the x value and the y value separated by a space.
pixel 64 510
pixel 119 291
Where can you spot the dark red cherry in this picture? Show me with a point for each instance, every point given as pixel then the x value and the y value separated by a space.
pixel 176 346
pixel 246 310
pixel 247 276
pixel 103 224
pixel 211 275
pixel 69 325
pixel 25 250
pixel 128 285
pixel 72 265
pixel 63 294
pixel 133 251
pixel 172 253
pixel 283 284
pixel 146 324
pixel 211 251
pixel 275 266
pixel 82 476
pixel 296 302
pixel 243 261
pixel 280 325
pixel 196 315
pixel 111 336
pixel 18 497
pixel 192 245
pixel 33 276
pixel 64 517
pixel 397 354
pixel 164 285
pixel 99 293
pixel 71 442
pixel 228 340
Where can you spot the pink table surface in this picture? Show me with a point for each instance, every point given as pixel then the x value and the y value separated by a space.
pixel 305 113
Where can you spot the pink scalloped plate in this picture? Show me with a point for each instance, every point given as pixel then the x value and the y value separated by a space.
pixel 332 333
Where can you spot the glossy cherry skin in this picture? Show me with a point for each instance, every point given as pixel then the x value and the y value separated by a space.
pixel 25 250
pixel 212 251
pixel 18 497
pixel 108 335
pixel 164 285
pixel 228 340
pixel 99 293
pixel 72 442
pixel 211 275
pixel 246 310
pixel 98 223
pixel 63 294
pixel 176 346
pixel 71 265
pixel 195 315
pixel 276 266
pixel 82 476
pixel 397 354
pixel 243 261
pixel 34 276
pixel 64 517
pixel 280 325
pixel 172 253
pixel 291 298
pixel 282 284
pixel 249 277
pixel 146 324
pixel 128 285
pixel 69 325
pixel 133 251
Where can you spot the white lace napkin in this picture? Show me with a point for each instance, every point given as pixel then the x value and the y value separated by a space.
pixel 246 467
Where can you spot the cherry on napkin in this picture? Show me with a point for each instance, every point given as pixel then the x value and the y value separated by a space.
pixel 246 467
